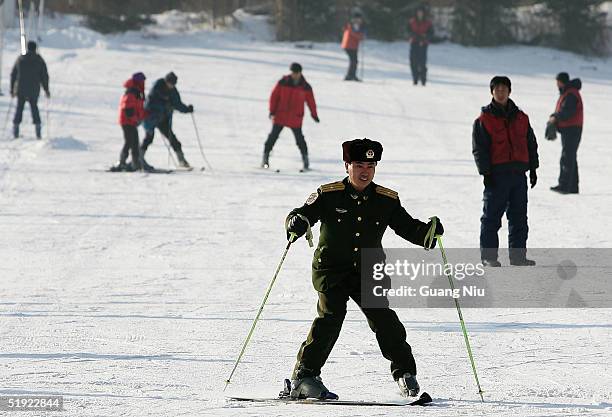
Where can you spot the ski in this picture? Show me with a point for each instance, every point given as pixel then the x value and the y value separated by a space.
pixel 424 400
pixel 153 171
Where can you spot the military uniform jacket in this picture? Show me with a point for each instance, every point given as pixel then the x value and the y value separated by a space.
pixel 351 221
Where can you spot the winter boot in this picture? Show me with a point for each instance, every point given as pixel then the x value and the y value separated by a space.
pixel 119 167
pixel 143 164
pixel 15 131
pixel 522 262
pixel 310 387
pixel 181 160
pixel 265 163
pixel 306 162
pixel 491 262
pixel 408 385
pixel 38 131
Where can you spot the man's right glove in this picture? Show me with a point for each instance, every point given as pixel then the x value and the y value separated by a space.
pixel 296 225
pixel 48 94
pixel 488 181
pixel 190 108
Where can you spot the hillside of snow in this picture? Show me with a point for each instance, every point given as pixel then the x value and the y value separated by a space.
pixel 131 294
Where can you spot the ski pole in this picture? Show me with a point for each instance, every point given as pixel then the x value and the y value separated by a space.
pixel 428 240
pixel 195 126
pixel 263 303
pixel 170 156
pixel 6 119
pixel 362 48
pixel 48 110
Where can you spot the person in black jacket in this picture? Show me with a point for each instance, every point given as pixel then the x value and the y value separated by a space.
pixel 161 102
pixel 28 74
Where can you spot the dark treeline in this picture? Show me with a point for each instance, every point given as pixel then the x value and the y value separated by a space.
pixel 576 25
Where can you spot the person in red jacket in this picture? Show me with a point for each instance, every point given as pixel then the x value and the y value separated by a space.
pixel 504 148
pixel 568 118
pixel 421 31
pixel 287 109
pixel 131 114
pixel 352 36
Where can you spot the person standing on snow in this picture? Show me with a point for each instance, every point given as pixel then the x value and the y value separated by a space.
pixel 287 109
pixel 568 117
pixel 421 31
pixel 161 102
pixel 504 148
pixel 131 114
pixel 28 74
pixel 353 34
pixel 354 214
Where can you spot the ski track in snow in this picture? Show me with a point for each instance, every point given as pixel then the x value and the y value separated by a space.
pixel 131 294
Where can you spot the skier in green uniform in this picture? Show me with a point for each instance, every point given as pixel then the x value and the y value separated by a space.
pixel 354 214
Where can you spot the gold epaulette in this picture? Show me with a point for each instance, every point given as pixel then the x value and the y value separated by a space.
pixel 334 186
pixel 387 192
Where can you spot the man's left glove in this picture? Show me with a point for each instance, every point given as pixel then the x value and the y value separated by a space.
pixel 533 178
pixel 296 226
pixel 190 108
pixel 438 232
pixel 315 118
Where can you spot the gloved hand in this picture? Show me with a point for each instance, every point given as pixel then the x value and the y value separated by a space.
pixel 48 94
pixel 298 226
pixel 488 181
pixel 271 116
pixel 315 118
pixel 533 178
pixel 438 232
pixel 190 108
pixel 551 131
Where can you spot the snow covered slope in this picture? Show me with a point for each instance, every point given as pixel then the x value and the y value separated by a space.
pixel 130 294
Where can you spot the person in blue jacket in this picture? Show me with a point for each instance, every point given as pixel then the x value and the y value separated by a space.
pixel 161 102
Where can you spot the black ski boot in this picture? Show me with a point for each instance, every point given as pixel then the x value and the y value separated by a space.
pixel 181 160
pixel 265 162
pixel 306 162
pixel 15 131
pixel 143 164
pixel 119 167
pixel 310 387
pixel 408 385
pixel 38 131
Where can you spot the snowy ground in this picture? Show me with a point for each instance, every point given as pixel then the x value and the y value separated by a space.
pixel 130 294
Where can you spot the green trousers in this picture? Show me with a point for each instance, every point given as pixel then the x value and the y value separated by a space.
pixel 389 330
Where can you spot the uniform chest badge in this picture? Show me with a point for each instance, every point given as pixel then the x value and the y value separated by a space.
pixel 312 198
pixel 340 210
pixel 370 154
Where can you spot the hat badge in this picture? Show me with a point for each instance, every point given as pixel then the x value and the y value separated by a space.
pixel 370 154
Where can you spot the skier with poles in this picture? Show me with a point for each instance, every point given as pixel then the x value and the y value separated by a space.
pixel 354 214
pixel 353 34
pixel 161 102
pixel 27 76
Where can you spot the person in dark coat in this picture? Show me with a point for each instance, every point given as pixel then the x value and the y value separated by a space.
pixel 354 214
pixel 504 148
pixel 161 102
pixel 131 114
pixel 287 109
pixel 421 30
pixel 352 35
pixel 28 75
pixel 568 118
